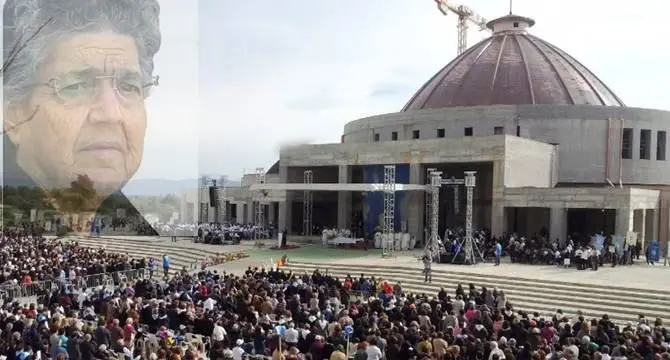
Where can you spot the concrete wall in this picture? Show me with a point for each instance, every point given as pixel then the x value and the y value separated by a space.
pixel 397 152
pixel 589 144
pixel 530 164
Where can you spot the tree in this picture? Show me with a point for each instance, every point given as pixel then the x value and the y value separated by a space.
pixel 80 197
pixel 19 46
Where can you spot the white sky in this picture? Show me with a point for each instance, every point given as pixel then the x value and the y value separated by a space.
pixel 240 78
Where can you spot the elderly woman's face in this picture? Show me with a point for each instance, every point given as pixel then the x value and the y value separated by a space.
pixel 89 117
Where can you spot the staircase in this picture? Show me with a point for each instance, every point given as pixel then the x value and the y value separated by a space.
pixel 182 253
pixel 622 304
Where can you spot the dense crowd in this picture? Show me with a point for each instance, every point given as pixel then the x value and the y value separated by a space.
pixel 26 257
pixel 226 316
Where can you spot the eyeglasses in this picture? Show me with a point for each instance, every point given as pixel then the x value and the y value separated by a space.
pixel 130 90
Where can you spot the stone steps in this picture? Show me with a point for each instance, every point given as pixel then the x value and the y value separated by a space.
pixel 620 303
pixel 180 255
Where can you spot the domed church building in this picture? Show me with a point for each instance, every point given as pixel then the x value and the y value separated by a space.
pixel 554 148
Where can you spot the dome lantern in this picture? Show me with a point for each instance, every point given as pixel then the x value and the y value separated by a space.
pixel 510 23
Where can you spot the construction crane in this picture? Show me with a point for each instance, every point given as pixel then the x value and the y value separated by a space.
pixel 465 15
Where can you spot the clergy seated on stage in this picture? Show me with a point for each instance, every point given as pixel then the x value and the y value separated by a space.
pixel 399 241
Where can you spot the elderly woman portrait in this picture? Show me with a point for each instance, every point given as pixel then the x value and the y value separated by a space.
pixel 76 77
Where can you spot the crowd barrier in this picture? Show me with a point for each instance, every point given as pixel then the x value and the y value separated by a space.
pixel 44 287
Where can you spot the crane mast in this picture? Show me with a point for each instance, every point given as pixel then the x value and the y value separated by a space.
pixel 465 16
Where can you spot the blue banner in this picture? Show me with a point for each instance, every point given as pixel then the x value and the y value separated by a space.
pixel 373 202
pixel 654 251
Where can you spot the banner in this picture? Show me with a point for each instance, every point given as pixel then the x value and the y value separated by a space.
pixel 654 251
pixel 280 237
pixel 631 238
pixel 33 215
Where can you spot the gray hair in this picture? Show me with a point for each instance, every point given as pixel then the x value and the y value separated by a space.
pixel 24 19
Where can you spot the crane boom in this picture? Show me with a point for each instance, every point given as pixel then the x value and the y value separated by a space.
pixel 465 15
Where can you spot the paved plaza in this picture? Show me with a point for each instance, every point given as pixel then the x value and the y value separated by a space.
pixel 639 275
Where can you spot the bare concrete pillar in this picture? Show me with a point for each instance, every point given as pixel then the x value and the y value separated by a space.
pixel 344 199
pixel 416 208
pixel 251 211
pixel 271 213
pixel 498 199
pixel 651 225
pixel 558 226
pixel 639 225
pixel 624 221
pixel 284 217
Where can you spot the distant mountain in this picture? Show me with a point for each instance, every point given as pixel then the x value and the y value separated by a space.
pixel 160 187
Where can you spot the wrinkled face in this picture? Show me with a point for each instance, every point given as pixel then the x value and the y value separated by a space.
pixel 88 111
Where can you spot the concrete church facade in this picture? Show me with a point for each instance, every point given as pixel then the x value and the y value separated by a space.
pixel 554 149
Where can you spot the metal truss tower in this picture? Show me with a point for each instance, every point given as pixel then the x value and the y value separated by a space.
pixel 428 202
pixel 259 234
pixel 307 205
pixel 432 244
pixel 468 245
pixel 470 182
pixel 388 239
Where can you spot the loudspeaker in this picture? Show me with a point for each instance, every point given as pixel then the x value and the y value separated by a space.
pixel 213 196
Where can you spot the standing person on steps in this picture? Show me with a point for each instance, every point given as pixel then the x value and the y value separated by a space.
pixel 166 264
pixel 498 252
pixel 427 263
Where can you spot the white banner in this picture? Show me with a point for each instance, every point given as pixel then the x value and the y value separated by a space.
pixel 280 237
pixel 33 215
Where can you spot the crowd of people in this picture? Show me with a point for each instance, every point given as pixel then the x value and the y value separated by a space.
pixel 273 314
pixel 282 315
pixel 27 257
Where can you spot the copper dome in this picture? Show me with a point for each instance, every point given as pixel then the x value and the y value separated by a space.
pixel 513 68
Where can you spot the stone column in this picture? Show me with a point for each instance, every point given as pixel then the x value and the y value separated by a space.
pixel 251 212
pixel 639 225
pixel 343 199
pixel 416 207
pixel 624 222
pixel 498 221
pixel 271 213
pixel 652 224
pixel 558 224
pixel 284 217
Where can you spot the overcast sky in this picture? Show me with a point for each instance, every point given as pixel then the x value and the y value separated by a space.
pixel 240 78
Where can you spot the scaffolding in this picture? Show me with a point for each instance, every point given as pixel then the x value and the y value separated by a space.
pixel 307 205
pixel 388 239
pixel 259 224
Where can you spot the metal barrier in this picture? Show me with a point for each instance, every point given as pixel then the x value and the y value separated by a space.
pixel 45 287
